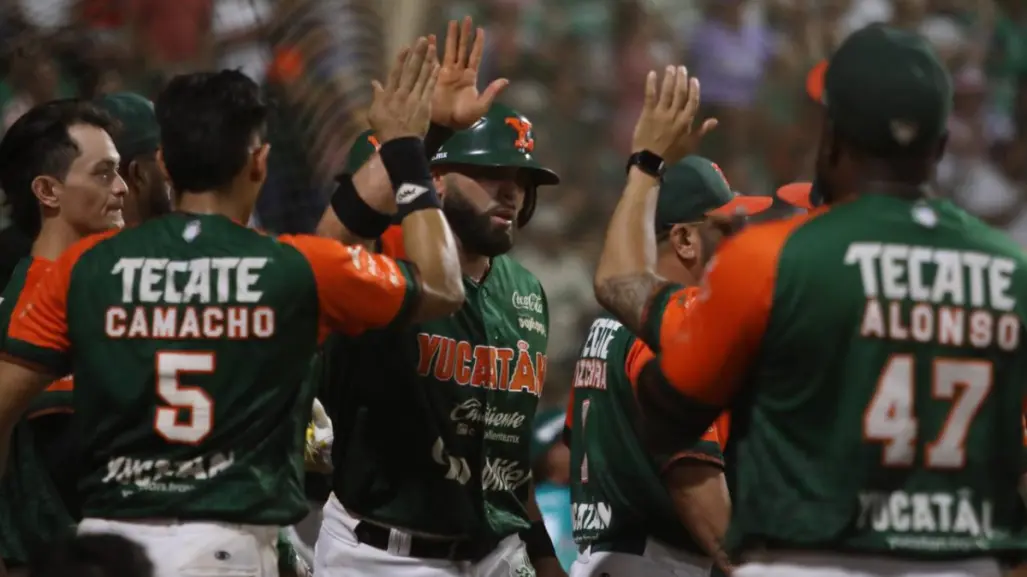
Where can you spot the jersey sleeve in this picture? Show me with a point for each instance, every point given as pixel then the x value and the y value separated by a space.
pixel 707 448
pixel 391 242
pixel 707 339
pixel 357 290
pixel 38 333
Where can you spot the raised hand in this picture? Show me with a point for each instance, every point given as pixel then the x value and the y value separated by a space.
pixel 457 104
pixel 665 125
pixel 403 106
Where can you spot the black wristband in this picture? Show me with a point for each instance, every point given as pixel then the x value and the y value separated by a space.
pixel 407 166
pixel 356 215
pixel 537 542
pixel 436 137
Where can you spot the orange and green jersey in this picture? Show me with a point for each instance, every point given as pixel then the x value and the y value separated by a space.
pixel 189 337
pixel 872 357
pixel 617 496
pixel 33 510
pixel 464 390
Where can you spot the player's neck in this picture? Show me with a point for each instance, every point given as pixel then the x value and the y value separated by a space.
pixel 55 236
pixel 474 266
pixel 224 204
pixel 669 267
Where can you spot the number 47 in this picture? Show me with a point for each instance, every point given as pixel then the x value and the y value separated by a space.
pixel 890 417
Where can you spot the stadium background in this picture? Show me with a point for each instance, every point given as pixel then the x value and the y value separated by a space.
pixel 576 68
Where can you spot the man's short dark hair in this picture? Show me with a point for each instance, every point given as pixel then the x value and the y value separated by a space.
pixel 38 144
pixel 96 555
pixel 208 121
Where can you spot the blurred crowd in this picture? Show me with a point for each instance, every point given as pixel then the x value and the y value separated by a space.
pixel 576 68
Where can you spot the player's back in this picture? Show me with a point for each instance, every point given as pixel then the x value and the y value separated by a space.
pixel 189 398
pixel 886 400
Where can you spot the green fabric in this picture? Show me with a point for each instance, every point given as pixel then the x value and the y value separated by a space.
pixel 363 147
pixel 32 513
pixel 690 189
pixel 138 132
pixel 503 137
pixel 887 92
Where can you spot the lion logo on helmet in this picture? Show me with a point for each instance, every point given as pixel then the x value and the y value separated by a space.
pixel 524 143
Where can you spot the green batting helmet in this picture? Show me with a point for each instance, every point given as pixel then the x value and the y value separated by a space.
pixel 501 138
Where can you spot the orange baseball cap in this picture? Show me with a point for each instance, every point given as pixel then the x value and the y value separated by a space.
pixel 815 81
pixel 797 194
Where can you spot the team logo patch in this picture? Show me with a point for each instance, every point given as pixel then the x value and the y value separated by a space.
pixel 904 132
pixel 720 172
pixel 525 141
pixel 529 302
pixel 408 192
pixel 533 325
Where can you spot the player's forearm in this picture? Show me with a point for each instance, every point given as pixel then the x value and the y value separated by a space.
pixel 427 239
pixel 626 276
pixel 537 542
pixel 372 186
pixel 701 501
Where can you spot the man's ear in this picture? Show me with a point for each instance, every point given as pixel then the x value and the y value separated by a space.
pixel 685 241
pixel 440 183
pixel 258 170
pixel 161 166
pixel 45 190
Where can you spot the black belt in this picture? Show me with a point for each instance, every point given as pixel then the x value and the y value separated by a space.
pixel 452 549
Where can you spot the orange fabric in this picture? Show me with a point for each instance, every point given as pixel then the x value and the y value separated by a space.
pixel 815 81
pixel 724 428
pixel 392 242
pixel 708 345
pixel 797 194
pixel 40 316
pixel 65 385
pixel 356 289
pixel 638 357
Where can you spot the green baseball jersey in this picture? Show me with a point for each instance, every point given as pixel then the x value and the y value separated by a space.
pixel 874 355
pixel 189 338
pixel 616 490
pixel 32 511
pixel 433 422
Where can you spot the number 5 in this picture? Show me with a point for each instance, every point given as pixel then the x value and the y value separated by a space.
pixel 891 419
pixel 194 400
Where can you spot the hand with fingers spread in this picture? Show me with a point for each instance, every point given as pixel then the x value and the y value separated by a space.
pixel 457 104
pixel 403 106
pixel 665 126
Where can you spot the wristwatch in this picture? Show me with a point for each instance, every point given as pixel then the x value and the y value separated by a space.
pixel 648 162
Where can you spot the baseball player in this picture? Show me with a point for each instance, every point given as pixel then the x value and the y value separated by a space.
pixel 58 168
pixel 870 349
pixel 449 490
pixel 193 447
pixel 627 519
pixel 435 479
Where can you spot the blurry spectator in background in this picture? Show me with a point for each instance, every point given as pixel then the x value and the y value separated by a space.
pixel 33 77
pixel 97 555
pixel 172 36
pixel 730 53
pixel 240 36
pixel 551 462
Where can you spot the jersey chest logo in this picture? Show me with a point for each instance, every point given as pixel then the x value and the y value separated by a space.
pixel 481 366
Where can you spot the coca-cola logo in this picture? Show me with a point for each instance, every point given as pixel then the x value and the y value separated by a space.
pixel 503 475
pixel 474 411
pixel 529 302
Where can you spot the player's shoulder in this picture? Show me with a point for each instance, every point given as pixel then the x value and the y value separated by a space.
pixel 988 239
pixel 607 337
pixel 517 280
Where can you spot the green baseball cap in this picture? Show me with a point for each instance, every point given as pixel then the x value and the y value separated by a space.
pixel 138 132
pixel 695 188
pixel 363 147
pixel 887 92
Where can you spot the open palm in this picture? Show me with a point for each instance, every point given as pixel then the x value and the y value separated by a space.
pixel 457 103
